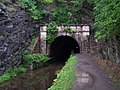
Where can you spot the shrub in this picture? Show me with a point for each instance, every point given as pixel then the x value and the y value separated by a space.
pixel 32 58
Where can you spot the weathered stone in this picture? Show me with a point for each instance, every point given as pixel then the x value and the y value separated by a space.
pixel 10 26
pixel 109 50
pixel 15 35
pixel 2 38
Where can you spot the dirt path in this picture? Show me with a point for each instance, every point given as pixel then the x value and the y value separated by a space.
pixel 90 76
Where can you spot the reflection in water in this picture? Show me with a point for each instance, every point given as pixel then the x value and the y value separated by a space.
pixel 39 79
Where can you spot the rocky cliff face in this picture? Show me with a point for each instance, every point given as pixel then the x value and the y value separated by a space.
pixel 107 49
pixel 15 34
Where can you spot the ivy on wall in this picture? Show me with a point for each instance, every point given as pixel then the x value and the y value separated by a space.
pixel 64 12
pixel 106 14
pixel 34 8
pixel 51 32
pixel 67 12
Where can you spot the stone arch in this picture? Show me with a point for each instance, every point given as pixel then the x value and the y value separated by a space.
pixel 62 47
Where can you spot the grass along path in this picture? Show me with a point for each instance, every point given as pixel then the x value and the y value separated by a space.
pixel 66 76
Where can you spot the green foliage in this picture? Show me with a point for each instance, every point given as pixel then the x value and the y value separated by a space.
pixel 69 30
pixel 33 41
pixel 66 77
pixel 1 1
pixel 10 73
pixel 47 1
pixel 4 78
pixel 69 12
pixel 29 58
pixel 117 84
pixel 34 10
pixel 51 32
pixel 66 13
pixel 107 18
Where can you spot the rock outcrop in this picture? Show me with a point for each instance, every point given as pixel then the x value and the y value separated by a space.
pixel 107 49
pixel 15 34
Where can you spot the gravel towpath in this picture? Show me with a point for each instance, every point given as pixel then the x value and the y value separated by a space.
pixel 89 76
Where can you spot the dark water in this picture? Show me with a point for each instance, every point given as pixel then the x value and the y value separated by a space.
pixel 39 79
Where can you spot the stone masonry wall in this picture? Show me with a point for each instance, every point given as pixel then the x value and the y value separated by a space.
pixel 15 34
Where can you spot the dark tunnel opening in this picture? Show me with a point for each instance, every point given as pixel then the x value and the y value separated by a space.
pixel 62 47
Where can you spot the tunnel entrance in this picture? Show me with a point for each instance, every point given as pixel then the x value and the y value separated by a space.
pixel 62 47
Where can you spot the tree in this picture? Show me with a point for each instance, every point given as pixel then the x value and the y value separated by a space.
pixel 107 18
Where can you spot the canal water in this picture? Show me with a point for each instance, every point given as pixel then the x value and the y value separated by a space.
pixel 39 79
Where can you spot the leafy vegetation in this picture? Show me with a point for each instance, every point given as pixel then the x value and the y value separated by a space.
pixel 69 30
pixel 106 13
pixel 51 32
pixel 106 21
pixel 34 10
pixel 12 72
pixel 67 12
pixel 59 12
pixel 64 12
pixel 47 1
pixel 33 41
pixel 29 58
pixel 66 77
pixel 107 18
pixel 1 1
